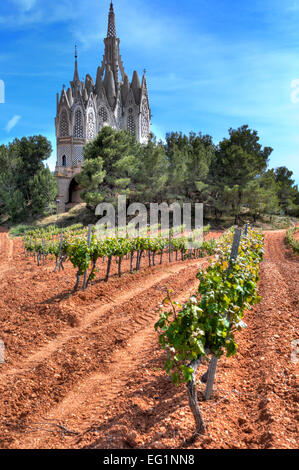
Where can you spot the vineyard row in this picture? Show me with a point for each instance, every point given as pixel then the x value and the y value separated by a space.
pixel 84 248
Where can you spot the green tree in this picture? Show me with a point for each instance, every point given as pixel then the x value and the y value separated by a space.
pixel 12 201
pixel 90 179
pixel 32 151
pixel 114 154
pixel 189 163
pixel 261 196
pixel 150 173
pixel 43 190
pixel 177 149
pixel 21 162
pixel 238 161
pixel 286 190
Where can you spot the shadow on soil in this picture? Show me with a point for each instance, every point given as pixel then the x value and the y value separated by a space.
pixel 150 422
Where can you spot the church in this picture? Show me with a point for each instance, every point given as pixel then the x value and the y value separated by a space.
pixel 86 106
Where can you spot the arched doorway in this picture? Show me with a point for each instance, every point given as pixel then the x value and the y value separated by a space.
pixel 74 192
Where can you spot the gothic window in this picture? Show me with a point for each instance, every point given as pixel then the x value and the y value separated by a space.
pixel 103 114
pixel 131 124
pixel 144 119
pixel 91 126
pixel 63 125
pixel 64 155
pixel 78 126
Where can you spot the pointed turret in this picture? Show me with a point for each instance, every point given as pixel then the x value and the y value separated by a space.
pixel 143 83
pixel 76 84
pixel 136 87
pixel 69 96
pixel 99 81
pixel 109 85
pixel 64 101
pixel 111 31
pixel 76 78
pixel 89 84
pixel 125 88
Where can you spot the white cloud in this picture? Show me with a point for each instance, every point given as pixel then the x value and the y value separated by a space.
pixel 295 92
pixel 33 12
pixel 25 5
pixel 12 123
pixel 293 6
pixel 136 22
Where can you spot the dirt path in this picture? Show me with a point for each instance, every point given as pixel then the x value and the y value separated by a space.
pixel 102 379
pixel 263 373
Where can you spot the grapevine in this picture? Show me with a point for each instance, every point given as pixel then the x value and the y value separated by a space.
pixel 207 322
pixel 70 243
pixel 291 241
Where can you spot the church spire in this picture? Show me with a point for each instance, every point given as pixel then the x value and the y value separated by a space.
pixel 111 32
pixel 76 74
pixel 76 84
pixel 111 56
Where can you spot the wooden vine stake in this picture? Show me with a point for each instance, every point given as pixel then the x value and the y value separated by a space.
pixel 214 361
pixel 88 244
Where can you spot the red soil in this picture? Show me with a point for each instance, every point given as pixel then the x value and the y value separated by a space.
pixel 90 362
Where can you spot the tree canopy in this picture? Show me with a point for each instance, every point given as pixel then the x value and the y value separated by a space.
pixel 228 177
pixel 27 187
pixel 231 178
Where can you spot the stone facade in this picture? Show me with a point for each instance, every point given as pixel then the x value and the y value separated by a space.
pixel 86 106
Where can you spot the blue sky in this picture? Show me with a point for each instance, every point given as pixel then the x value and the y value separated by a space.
pixel 211 64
